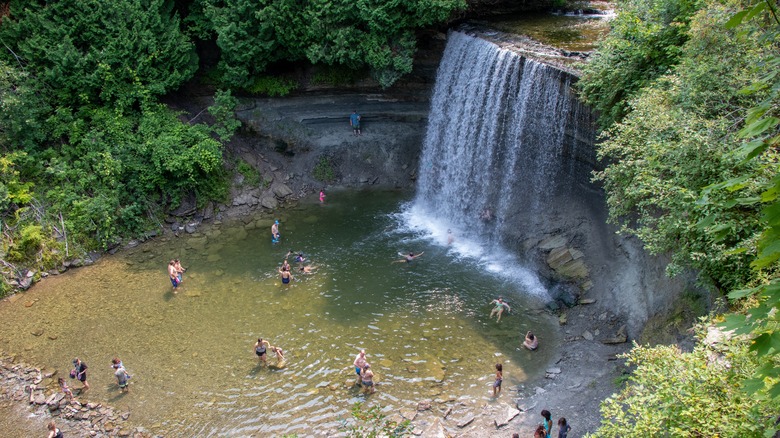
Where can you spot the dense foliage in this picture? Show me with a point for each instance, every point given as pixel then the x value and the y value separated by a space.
pixel 688 394
pixel 89 155
pixel 693 170
pixel 644 43
pixel 379 34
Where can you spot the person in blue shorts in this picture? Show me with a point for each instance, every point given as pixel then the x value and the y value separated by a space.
pixel 354 122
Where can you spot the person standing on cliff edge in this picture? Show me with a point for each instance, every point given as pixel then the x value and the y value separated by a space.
pixel 354 122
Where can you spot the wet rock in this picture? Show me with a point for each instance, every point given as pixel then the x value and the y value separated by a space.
pixel 553 242
pixel 25 283
pixel 619 338
pixel 269 201
pixel 424 405
pixel 281 190
pixel 409 414
pixel 37 332
pixel 587 301
pixel 39 399
pixel 191 227
pixel 506 417
pixel 436 430
pixel 587 335
pixel 465 421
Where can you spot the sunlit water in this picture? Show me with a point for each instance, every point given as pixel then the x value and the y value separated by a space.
pixel 569 32
pixel 424 324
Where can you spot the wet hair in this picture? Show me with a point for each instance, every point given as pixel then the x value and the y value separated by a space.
pixel 76 360
pixel 547 415
pixel 562 421
pixel 515 435
pixel 539 432
pixel 60 380
pixel 531 336
pixel 499 367
pixel 115 360
pixel 411 254
pixel 366 366
pixel 52 425
pixel 259 339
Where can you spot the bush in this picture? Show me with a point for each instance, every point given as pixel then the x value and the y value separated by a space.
pixel 272 86
pixel 323 170
pixel 251 176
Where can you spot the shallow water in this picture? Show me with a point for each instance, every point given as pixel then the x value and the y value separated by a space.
pixel 424 324
pixel 578 33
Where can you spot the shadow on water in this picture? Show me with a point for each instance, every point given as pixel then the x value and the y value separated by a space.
pixel 424 324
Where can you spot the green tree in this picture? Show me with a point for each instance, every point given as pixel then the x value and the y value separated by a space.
pixel 378 34
pixel 644 43
pixel 675 141
pixel 695 394
pixel 95 52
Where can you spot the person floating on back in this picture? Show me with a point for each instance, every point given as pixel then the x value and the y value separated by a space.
pixel 498 308
pixel 354 122
pixel 407 258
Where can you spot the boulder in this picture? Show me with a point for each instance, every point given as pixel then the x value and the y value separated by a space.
pixel 465 421
pixel 436 430
pixel 280 190
pixel 269 201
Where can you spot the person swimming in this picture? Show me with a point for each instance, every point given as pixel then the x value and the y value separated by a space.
pixel 407 258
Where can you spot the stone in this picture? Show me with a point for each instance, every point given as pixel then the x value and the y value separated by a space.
pixel 269 202
pixel 553 242
pixel 619 338
pixel 190 227
pixel 562 319
pixel 436 430
pixel 587 301
pixel 37 332
pixel 409 414
pixel 508 416
pixel 281 190
pixel 587 335
pixel 553 370
pixel 558 257
pixel 424 405
pixel 465 421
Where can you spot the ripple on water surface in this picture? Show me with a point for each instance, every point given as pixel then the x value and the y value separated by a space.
pixel 424 325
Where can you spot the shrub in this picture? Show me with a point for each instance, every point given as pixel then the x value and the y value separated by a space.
pixel 272 86
pixel 323 170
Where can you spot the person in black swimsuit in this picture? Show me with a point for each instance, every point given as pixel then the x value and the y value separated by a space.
pixel 261 347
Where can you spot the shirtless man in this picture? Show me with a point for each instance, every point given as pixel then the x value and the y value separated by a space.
pixel 286 276
pixel 359 363
pixel 498 308
pixel 408 257
pixel 275 231
pixel 173 274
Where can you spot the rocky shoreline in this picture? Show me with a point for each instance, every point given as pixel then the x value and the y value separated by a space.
pixel 36 392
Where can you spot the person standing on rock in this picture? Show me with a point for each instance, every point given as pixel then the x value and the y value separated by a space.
pixel 359 363
pixel 65 389
pixel 499 380
pixel 80 373
pixel 354 122
pixel 54 432
pixel 563 428
pixel 547 423
pixel 499 308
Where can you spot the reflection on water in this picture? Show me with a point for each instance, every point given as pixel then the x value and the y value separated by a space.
pixel 424 324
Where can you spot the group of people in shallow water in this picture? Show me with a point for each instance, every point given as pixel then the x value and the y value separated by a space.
pixel 79 373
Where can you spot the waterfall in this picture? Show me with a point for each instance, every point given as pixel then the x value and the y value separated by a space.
pixel 501 138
